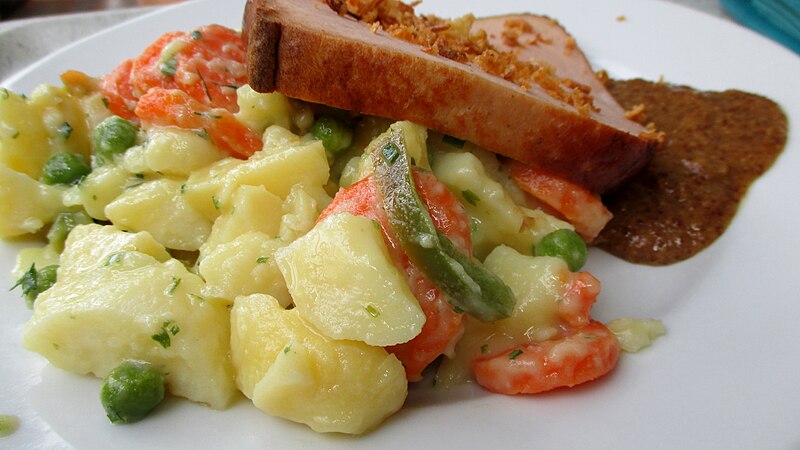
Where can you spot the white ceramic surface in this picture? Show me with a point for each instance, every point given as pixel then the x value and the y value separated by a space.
pixel 725 376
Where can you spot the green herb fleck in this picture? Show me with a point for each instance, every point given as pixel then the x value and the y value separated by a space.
pixel 286 349
pixel 174 285
pixel 65 130
pixel 114 258
pixel 205 86
pixel 15 135
pixel 207 116
pixel 203 134
pixel 390 153
pixel 514 354
pixel 33 282
pixel 197 35
pixel 163 337
pixel 372 311
pixel 168 67
pixel 216 202
pixel 197 298
pixel 471 197
pixel 183 188
pixel 4 94
pixel 56 346
pixel 262 259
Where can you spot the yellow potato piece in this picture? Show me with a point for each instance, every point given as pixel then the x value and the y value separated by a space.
pixel 538 284
pixel 245 265
pixel 125 304
pixel 343 281
pixel 160 208
pixel 290 370
pixel 26 205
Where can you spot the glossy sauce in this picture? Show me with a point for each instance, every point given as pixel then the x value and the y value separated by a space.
pixel 717 144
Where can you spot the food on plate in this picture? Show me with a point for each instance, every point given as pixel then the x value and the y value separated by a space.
pixel 356 56
pixel 314 259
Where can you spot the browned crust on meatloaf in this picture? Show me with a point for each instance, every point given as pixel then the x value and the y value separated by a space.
pixel 305 50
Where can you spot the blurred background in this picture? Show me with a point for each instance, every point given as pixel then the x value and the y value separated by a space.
pixel 20 9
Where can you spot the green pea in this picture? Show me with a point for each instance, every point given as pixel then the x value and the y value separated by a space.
pixel 33 282
pixel 62 225
pixel 334 134
pixel 65 168
pixel 113 136
pixel 565 244
pixel 131 390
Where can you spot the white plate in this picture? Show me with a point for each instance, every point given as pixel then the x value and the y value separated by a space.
pixel 725 376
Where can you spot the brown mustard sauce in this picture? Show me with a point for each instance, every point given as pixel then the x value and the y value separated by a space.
pixel 717 144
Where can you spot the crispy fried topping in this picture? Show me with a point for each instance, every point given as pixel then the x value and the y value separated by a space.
pixel 455 40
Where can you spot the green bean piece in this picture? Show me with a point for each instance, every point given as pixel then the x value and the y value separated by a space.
pixel 467 285
pixel 33 282
pixel 565 244
pixel 65 168
pixel 62 225
pixel 334 134
pixel 131 390
pixel 113 136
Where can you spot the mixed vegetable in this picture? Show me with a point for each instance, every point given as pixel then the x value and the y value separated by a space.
pixel 204 240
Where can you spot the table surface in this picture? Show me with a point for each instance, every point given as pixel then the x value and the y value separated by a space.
pixel 24 41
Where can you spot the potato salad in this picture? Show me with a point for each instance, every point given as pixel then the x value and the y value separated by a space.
pixel 203 240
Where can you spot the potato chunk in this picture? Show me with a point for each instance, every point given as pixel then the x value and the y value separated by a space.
pixel 538 283
pixel 343 281
pixel 498 217
pixel 26 205
pixel 171 152
pixel 160 208
pixel 290 370
pixel 243 266
pixel 131 306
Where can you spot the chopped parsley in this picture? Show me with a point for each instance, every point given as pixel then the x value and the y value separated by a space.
pixel 262 259
pixel 207 116
pixel 205 86
pixel 114 258
pixel 163 337
pixel 286 349
pixel 203 133
pixel 216 202
pixel 33 282
pixel 173 285
pixel 471 197
pixel 514 354
pixel 372 311
pixel 390 153
pixel 197 298
pixel 169 66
